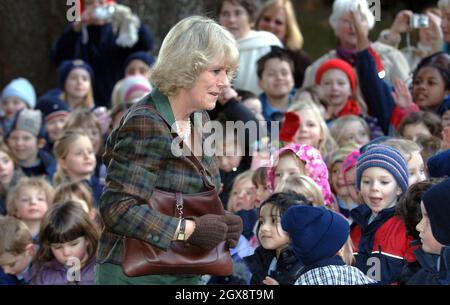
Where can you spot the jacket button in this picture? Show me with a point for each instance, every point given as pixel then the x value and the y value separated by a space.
pixel 155 238
pixel 149 236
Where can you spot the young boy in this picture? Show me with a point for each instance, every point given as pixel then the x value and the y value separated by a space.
pixel 16 251
pixel 18 94
pixel 434 233
pixel 26 140
pixel 275 72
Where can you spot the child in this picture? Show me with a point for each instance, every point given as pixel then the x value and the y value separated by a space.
pixel 307 126
pixel 434 233
pixel 9 174
pixel 316 94
pixel 274 259
pixel 381 177
pixel 349 173
pixel 26 140
pixel 68 239
pixel 18 94
pixel 139 63
pixel 420 123
pixel 76 161
pixel 302 159
pixel 411 152
pixel 29 201
pixel 133 88
pixel 317 236
pixel 276 79
pixel 301 184
pixel 16 251
pixel 251 102
pixel 350 128
pixel 259 179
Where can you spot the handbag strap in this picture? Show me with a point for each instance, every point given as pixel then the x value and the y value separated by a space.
pixel 190 156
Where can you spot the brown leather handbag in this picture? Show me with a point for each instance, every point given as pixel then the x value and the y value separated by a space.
pixel 142 258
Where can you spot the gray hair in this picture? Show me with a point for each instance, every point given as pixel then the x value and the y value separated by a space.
pixel 342 7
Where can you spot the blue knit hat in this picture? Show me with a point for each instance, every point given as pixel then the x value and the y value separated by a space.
pixel 316 232
pixel 22 89
pixel 437 203
pixel 68 65
pixel 141 55
pixel 52 106
pixel 389 158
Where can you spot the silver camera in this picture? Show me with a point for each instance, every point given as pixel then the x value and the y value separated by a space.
pixel 105 12
pixel 419 21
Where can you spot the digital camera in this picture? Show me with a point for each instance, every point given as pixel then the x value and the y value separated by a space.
pixel 105 12
pixel 419 21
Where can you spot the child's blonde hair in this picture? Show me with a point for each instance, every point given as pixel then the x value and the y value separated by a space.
pixel 304 185
pixel 327 145
pixel 406 147
pixel 65 191
pixel 27 183
pixel 61 149
pixel 337 128
pixel 15 236
pixel 245 176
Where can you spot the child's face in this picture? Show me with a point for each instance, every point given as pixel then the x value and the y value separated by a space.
pixel 337 180
pixel 428 89
pixel 138 67
pixel 354 131
pixel 288 165
pixel 416 168
pixel 76 248
pixel 446 119
pixel 6 169
pixel 254 105
pixel 54 127
pixel 230 154
pixel 262 193
pixel 445 25
pixel 16 264
pixel 274 20
pixel 78 83
pixel 235 19
pixel 309 131
pixel 80 162
pixel 412 131
pixel 379 189
pixel 277 80
pixel 271 234
pixel 336 87
pixel 24 146
pixel 31 204
pixel 11 105
pixel 243 196
pixel 429 243
pixel 96 137
pixel 350 177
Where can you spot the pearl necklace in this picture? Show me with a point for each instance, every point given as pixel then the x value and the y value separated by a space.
pixel 186 133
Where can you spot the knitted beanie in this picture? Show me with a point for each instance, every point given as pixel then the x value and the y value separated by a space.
pixel 340 154
pixel 290 125
pixel 82 6
pixel 350 161
pixel 52 106
pixel 148 59
pixel 22 89
pixel 27 120
pixel 340 65
pixel 316 233
pixel 131 84
pixel 389 158
pixel 68 65
pixel 437 204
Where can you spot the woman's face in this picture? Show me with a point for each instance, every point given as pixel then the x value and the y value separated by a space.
pixel 6 169
pixel 235 19
pixel 274 20
pixel 429 89
pixel 345 31
pixel 78 83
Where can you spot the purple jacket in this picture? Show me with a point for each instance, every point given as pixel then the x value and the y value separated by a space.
pixel 55 273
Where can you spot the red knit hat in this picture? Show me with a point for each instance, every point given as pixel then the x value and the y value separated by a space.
pixel 340 65
pixel 82 4
pixel 290 126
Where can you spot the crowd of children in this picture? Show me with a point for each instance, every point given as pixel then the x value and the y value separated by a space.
pixel 347 195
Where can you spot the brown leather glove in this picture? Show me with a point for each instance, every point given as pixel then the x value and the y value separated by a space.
pixel 209 231
pixel 235 228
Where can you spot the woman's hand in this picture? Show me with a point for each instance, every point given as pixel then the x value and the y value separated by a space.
pixel 227 94
pixel 363 41
pixel 401 24
pixel 402 96
pixel 435 31
pixel 210 230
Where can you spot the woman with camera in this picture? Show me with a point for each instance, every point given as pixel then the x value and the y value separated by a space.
pixel 101 39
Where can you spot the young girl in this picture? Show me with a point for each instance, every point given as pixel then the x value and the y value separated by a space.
pixel 259 179
pixel 29 201
pixel 76 161
pixel 274 258
pixel 381 177
pixel 68 243
pixel 303 185
pixel 308 127
pixel 350 128
pixel 18 94
pixel 301 159
pixel 10 173
pixel 349 173
pixel 423 123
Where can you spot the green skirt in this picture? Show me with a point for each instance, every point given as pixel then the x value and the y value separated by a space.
pixel 110 274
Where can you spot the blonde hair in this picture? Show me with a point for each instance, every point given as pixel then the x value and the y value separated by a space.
pixel 87 103
pixel 61 149
pixel 191 47
pixel 327 145
pixel 245 176
pixel 304 185
pixel 406 147
pixel 15 236
pixel 444 4
pixel 294 37
pixel 27 183
pixel 337 128
pixel 65 191
pixel 346 252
